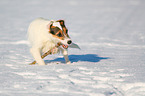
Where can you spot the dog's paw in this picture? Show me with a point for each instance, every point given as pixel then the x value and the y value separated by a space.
pixel 68 62
pixel 41 64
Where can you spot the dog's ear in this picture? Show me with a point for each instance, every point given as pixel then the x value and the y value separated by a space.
pixel 61 22
pixel 50 24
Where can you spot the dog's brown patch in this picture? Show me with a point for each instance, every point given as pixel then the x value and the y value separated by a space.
pixel 65 30
pixel 57 32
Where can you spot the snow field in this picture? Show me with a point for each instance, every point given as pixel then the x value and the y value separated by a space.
pixel 111 60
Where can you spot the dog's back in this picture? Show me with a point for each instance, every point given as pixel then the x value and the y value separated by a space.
pixel 38 32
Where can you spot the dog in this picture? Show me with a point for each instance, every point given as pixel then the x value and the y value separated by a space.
pixel 44 35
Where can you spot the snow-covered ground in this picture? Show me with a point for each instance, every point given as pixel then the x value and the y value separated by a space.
pixel 111 62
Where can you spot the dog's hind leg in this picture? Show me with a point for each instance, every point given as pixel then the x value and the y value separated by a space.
pixel 65 54
pixel 37 55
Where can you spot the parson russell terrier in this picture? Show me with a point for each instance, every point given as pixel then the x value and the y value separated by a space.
pixel 44 35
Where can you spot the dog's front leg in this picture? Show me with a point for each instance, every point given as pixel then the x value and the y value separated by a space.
pixel 37 56
pixel 65 54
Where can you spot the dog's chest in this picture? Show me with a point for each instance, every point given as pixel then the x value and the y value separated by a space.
pixel 47 46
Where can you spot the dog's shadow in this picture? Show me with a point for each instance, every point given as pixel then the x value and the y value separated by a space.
pixel 76 58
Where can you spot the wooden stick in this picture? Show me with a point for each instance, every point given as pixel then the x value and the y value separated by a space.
pixel 45 54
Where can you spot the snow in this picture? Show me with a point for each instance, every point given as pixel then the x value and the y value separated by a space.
pixel 110 34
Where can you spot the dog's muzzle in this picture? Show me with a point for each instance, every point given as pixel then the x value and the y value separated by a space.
pixel 66 46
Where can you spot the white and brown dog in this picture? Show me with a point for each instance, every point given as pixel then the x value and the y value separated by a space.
pixel 44 35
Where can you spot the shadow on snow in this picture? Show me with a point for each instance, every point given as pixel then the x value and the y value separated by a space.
pixel 76 58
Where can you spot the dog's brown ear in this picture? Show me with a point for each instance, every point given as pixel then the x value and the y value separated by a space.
pixel 50 24
pixel 61 22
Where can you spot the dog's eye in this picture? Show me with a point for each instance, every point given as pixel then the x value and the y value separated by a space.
pixel 66 31
pixel 59 35
pixel 52 32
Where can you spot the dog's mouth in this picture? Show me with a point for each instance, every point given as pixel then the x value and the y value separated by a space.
pixel 64 46
pixel 65 43
pixel 73 45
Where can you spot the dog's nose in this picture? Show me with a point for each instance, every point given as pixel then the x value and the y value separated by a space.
pixel 69 42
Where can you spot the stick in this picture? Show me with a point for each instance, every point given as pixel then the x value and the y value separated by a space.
pixel 45 54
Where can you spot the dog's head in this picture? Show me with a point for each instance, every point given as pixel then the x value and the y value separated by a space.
pixel 59 31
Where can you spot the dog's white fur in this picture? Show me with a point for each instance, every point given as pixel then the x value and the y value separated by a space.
pixel 42 41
